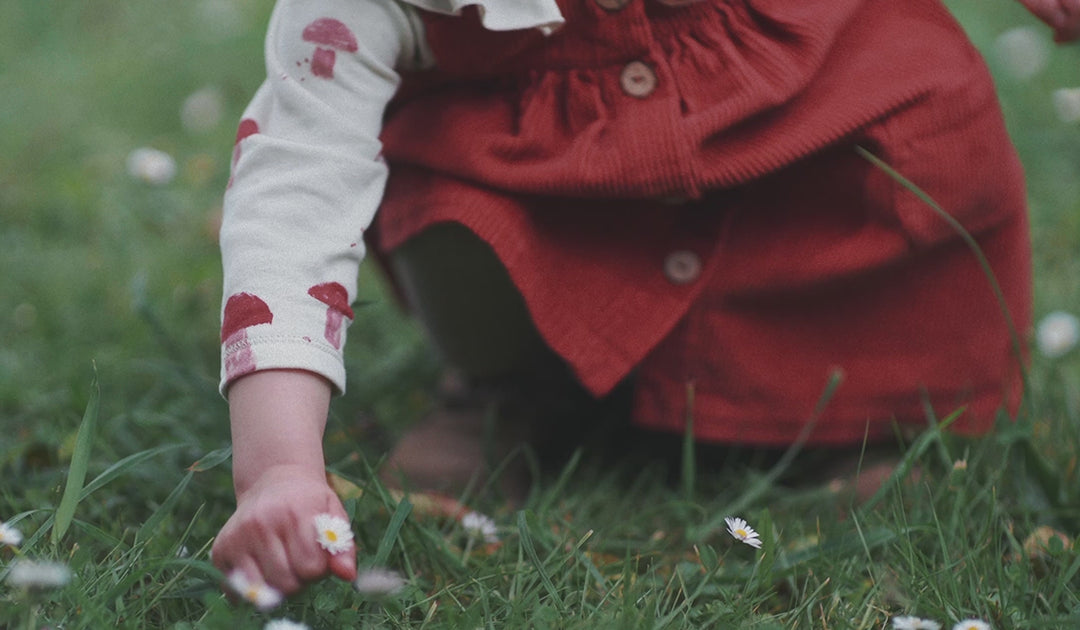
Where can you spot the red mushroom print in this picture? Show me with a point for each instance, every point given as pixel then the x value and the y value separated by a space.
pixel 248 127
pixel 242 311
pixel 330 35
pixel 336 298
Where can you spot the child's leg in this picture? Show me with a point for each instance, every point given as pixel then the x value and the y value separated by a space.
pixel 478 321
pixel 463 296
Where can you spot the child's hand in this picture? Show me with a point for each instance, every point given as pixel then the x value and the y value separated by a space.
pixel 1062 15
pixel 271 538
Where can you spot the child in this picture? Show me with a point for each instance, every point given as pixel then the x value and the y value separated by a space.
pixel 585 190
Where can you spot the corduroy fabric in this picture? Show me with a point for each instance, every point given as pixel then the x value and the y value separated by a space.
pixel 813 262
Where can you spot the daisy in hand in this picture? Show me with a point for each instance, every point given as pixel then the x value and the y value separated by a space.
pixel 334 533
pixel 739 529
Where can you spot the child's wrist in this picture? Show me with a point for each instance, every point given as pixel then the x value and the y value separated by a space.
pixel 244 481
pixel 277 420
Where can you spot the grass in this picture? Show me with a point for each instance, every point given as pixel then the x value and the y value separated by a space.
pixel 109 319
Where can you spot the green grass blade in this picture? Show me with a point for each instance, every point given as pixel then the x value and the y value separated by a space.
pixel 976 251
pixel 122 466
pixel 689 462
pixel 402 512
pixel 530 550
pixel 163 510
pixel 80 460
pixel 211 459
pixel 762 485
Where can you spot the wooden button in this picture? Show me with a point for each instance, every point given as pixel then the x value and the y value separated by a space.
pixel 612 5
pixel 682 266
pixel 638 79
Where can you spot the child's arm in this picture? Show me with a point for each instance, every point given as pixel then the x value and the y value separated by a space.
pixel 307 179
pixel 278 418
pixel 1062 15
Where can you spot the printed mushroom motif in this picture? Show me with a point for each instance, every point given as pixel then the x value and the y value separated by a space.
pixel 330 35
pixel 336 298
pixel 242 311
pixel 248 127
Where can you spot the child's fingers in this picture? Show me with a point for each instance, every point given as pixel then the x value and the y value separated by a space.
pixel 307 559
pixel 277 567
pixel 343 565
pixel 1069 29
pixel 1062 15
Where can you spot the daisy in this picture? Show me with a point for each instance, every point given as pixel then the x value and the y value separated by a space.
pixel 972 624
pixel 1057 334
pixel 378 582
pixel 10 536
pixel 1022 51
pixel 334 533
pixel 202 110
pixel 151 166
pixel 263 597
pixel 285 624
pixel 1067 104
pixel 38 575
pixel 910 622
pixel 738 528
pixel 479 526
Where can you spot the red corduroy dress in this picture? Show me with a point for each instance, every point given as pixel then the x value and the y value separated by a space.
pixel 676 191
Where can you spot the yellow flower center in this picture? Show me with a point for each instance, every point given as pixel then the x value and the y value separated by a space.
pixel 331 536
pixel 741 533
pixel 252 593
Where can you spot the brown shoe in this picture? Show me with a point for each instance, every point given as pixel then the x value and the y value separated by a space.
pixel 463 447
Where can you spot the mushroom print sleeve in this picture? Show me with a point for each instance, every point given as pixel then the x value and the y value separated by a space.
pixel 307 179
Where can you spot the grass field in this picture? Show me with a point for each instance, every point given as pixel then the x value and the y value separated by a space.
pixel 109 320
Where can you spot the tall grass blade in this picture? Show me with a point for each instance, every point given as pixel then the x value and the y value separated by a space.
pixel 124 465
pixel 211 459
pixel 530 550
pixel 164 509
pixel 762 485
pixel 390 535
pixel 973 245
pixel 689 462
pixel 80 460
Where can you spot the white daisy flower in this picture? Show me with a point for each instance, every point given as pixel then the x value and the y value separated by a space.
pixel 477 525
pixel 334 533
pixel 10 536
pixel 38 575
pixel 378 582
pixel 151 166
pixel 739 528
pixel 972 624
pixel 285 624
pixel 1067 104
pixel 1057 334
pixel 262 596
pixel 1023 51
pixel 910 622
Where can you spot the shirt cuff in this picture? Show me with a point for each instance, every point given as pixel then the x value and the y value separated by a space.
pixel 248 354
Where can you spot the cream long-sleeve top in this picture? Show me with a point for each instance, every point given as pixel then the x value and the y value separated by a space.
pixel 307 174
